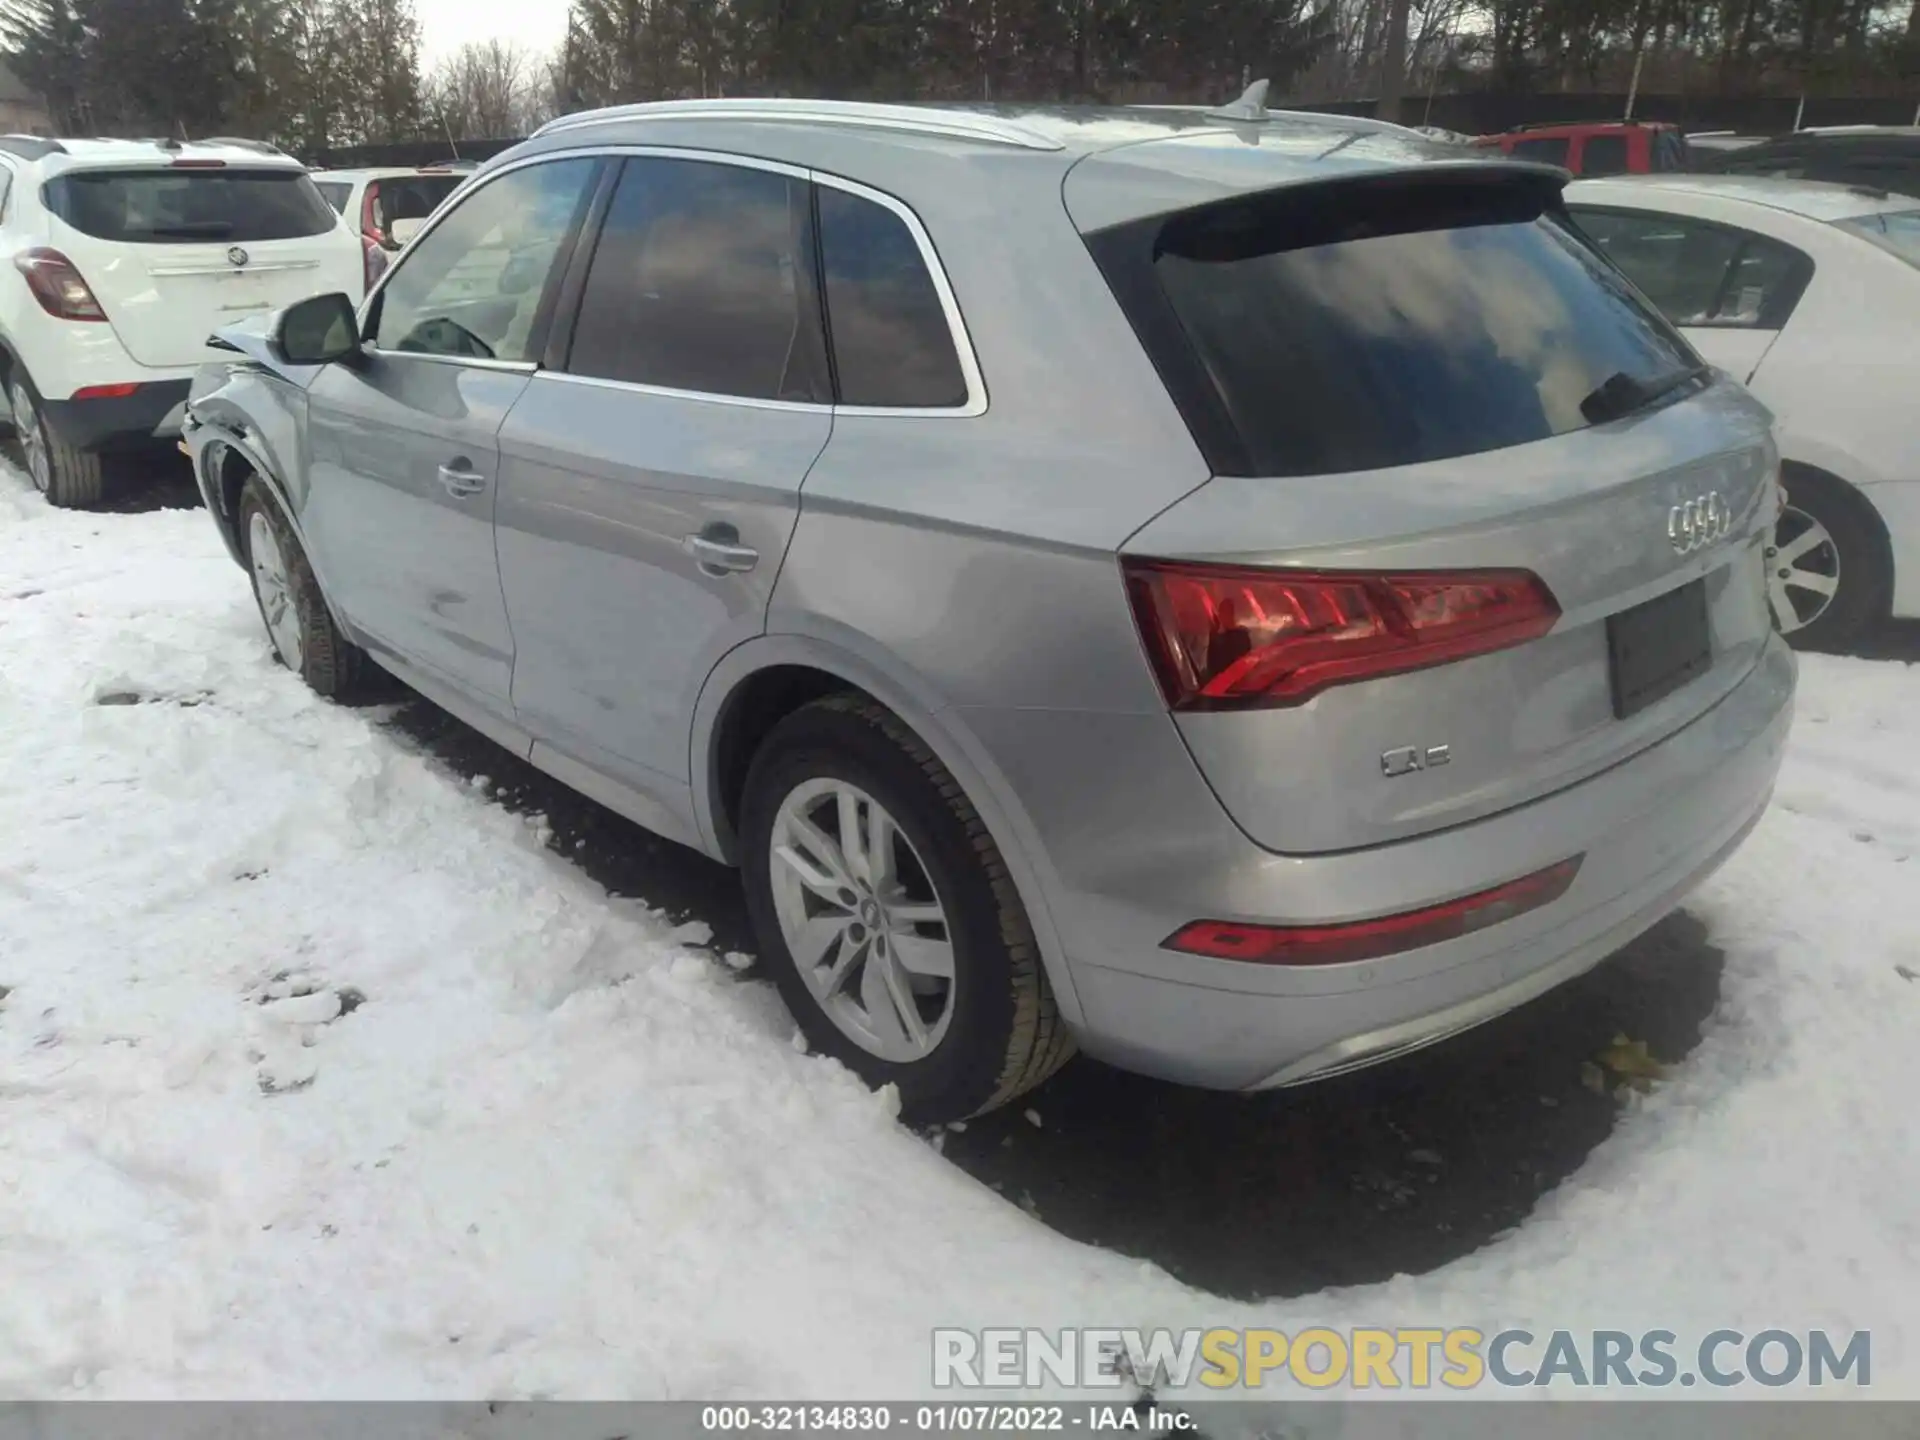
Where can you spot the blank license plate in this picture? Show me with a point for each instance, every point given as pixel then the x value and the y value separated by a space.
pixel 1655 648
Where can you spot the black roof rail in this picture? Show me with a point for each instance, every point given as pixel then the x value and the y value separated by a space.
pixel 1570 124
pixel 31 147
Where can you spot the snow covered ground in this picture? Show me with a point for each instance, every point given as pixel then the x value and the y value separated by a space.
pixel 320 1076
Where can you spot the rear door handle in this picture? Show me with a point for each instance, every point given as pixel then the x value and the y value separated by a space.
pixel 718 551
pixel 461 480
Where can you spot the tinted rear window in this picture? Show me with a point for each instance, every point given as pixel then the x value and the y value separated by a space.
pixel 1352 328
pixel 185 207
pixel 1604 155
pixel 892 345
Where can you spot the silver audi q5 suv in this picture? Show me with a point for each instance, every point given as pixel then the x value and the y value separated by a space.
pixel 1244 594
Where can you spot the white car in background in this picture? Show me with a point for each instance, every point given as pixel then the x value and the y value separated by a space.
pixel 1810 293
pixel 389 204
pixel 118 258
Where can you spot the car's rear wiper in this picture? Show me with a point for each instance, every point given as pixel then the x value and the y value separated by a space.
pixel 1620 394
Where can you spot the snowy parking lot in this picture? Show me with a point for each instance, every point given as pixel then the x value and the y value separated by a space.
pixel 324 1073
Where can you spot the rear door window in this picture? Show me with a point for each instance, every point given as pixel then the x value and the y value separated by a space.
pixel 1546 149
pixel 892 345
pixel 1339 328
pixel 1603 155
pixel 703 280
pixel 190 206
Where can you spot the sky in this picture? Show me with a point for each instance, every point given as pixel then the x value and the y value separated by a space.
pixel 449 24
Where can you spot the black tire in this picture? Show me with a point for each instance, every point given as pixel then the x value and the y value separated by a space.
pixel 1865 568
pixel 70 479
pixel 330 663
pixel 1005 1034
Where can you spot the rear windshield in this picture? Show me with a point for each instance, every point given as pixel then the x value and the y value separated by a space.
pixel 183 207
pixel 414 197
pixel 1897 231
pixel 1336 329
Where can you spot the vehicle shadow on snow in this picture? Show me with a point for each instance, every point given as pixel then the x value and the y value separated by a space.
pixel 1394 1170
pixel 155 477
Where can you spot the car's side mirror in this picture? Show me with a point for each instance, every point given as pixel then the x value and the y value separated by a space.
pixel 322 330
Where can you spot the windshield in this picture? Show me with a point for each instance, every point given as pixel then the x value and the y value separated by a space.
pixel 1895 231
pixel 184 206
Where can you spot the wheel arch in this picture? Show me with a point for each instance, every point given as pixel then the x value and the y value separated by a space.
pixel 760 682
pixel 223 466
pixel 1862 502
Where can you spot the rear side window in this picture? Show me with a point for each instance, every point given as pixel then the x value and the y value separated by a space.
pixel 184 207
pixel 703 280
pixel 335 194
pixel 892 345
pixel 1339 328
pixel 1547 150
pixel 1604 155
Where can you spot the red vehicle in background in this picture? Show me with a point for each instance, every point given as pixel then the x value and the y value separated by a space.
pixel 1597 147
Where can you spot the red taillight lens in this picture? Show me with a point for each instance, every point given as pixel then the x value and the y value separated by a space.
pixel 374 260
pixel 1225 637
pixel 105 392
pixel 1370 939
pixel 57 285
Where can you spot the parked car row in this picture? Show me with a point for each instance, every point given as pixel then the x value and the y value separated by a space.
pixel 1244 594
pixel 1881 156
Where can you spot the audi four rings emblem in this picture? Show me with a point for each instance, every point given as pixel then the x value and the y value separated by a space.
pixel 236 256
pixel 1694 524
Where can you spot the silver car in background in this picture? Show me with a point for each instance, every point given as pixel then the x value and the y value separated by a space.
pixel 1249 594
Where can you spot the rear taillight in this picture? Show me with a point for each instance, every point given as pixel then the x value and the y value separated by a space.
pixel 1225 637
pixel 58 287
pixel 106 392
pixel 1370 939
pixel 374 262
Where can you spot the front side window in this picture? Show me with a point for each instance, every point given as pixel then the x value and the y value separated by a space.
pixel 892 345
pixel 1546 150
pixel 1358 328
pixel 1699 273
pixel 473 288
pixel 1604 155
pixel 190 206
pixel 703 280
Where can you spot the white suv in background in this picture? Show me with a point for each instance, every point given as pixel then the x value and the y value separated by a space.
pixel 118 258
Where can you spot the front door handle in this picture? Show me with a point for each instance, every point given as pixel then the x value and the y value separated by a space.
pixel 461 480
pixel 718 551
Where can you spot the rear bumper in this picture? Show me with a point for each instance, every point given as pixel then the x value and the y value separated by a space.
pixel 153 410
pixel 1649 830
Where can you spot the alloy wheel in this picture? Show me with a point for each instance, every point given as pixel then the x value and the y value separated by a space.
pixel 862 919
pixel 275 590
pixel 33 440
pixel 1803 570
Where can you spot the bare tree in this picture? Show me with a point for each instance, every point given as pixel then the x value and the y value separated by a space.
pixel 490 90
